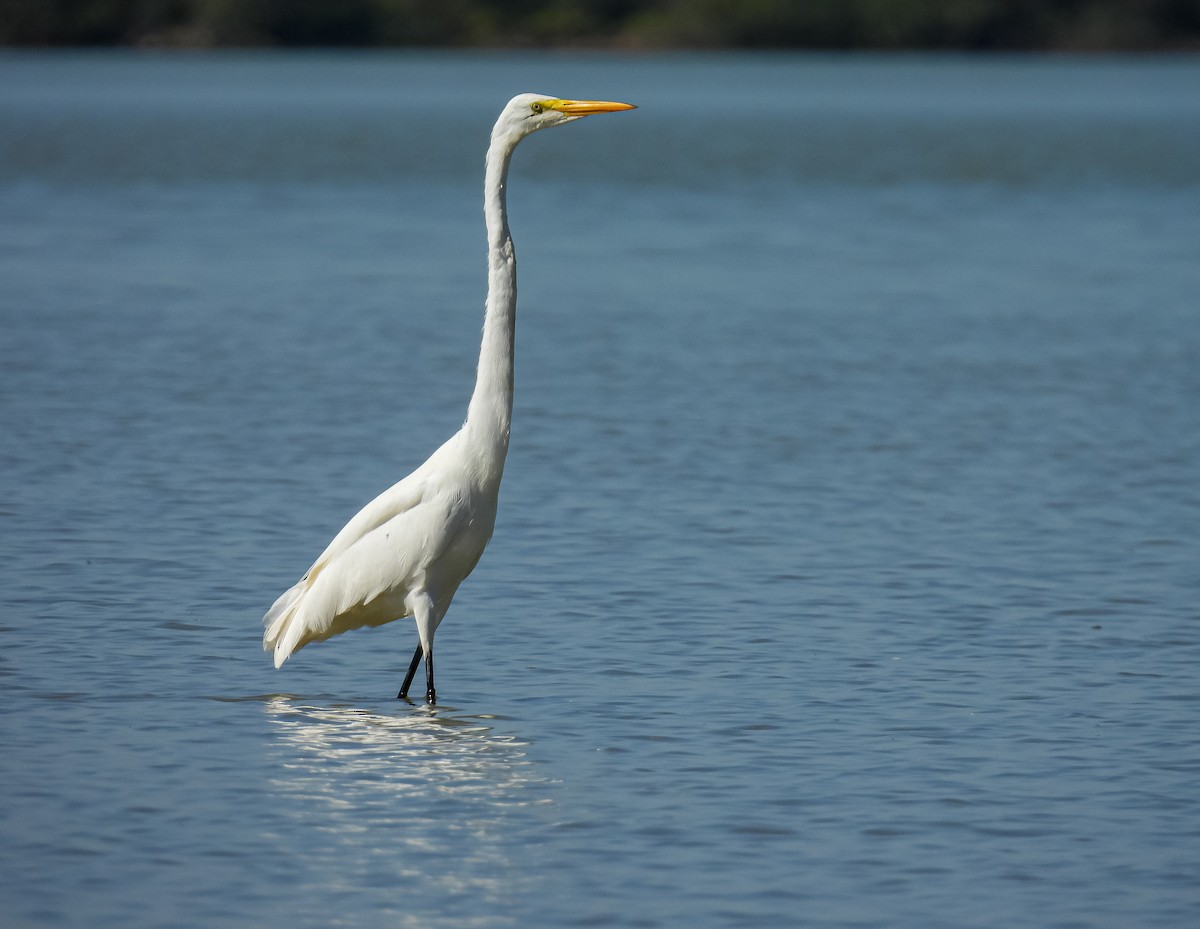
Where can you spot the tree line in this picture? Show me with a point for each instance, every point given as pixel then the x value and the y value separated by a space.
pixel 998 25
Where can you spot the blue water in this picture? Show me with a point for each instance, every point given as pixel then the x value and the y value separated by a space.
pixel 847 566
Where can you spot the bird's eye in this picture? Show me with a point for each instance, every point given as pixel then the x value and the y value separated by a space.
pixel 536 107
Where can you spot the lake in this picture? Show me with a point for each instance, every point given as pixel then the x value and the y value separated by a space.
pixel 847 568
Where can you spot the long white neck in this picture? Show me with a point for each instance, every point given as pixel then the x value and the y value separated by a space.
pixel 490 412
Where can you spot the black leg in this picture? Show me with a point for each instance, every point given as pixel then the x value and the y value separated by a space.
pixel 412 671
pixel 430 693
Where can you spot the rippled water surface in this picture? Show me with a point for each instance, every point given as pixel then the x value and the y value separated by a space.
pixel 847 568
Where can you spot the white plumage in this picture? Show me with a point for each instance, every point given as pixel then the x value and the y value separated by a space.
pixel 406 552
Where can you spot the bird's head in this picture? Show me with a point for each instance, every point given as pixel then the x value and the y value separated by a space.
pixel 526 113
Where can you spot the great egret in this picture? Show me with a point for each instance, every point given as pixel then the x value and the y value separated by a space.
pixel 406 552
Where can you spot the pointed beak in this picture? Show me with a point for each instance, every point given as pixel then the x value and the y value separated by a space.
pixel 588 107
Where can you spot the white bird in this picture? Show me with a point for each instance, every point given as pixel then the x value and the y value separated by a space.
pixel 406 552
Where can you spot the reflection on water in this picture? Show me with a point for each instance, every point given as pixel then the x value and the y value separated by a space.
pixel 423 805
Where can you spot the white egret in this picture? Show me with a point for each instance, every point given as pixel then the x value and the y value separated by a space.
pixel 406 552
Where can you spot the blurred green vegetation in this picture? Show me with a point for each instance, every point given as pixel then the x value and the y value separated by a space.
pixel 1083 25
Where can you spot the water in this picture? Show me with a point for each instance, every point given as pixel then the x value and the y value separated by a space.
pixel 846 573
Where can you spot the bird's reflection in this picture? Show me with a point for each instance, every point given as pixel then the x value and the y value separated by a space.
pixel 426 810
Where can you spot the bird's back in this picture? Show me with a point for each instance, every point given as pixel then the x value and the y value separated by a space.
pixel 424 534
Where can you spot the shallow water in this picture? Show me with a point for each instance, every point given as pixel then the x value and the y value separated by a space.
pixel 846 570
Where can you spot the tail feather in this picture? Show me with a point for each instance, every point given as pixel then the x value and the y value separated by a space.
pixel 282 632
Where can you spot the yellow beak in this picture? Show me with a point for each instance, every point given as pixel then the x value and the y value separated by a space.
pixel 588 107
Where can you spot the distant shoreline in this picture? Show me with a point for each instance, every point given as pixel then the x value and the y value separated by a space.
pixel 651 25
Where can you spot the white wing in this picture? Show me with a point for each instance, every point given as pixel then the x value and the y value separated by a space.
pixel 399 498
pixel 374 552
